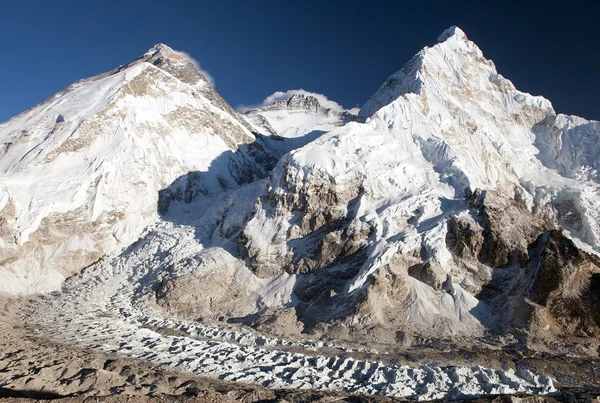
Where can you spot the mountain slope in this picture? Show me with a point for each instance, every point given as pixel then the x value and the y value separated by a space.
pixel 80 173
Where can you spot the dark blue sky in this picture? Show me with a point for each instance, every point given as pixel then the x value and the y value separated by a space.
pixel 253 48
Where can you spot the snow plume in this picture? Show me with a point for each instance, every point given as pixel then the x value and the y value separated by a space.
pixel 284 95
pixel 196 63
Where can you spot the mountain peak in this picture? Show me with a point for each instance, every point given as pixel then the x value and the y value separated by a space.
pixel 297 114
pixel 299 100
pixel 448 66
pixel 303 101
pixel 453 31
pixel 158 48
pixel 161 50
pixel 179 64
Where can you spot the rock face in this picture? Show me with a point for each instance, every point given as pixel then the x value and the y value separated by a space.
pixel 563 291
pixel 509 230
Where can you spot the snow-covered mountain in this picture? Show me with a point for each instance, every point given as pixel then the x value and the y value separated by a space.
pixel 431 217
pixel 452 212
pixel 295 121
pixel 298 115
pixel 436 211
pixel 80 173
pixel 403 222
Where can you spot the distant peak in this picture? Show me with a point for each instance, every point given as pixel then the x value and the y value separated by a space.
pixel 296 99
pixel 160 46
pixel 301 96
pixel 303 101
pixel 450 32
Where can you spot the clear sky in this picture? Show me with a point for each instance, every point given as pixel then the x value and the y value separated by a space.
pixel 252 48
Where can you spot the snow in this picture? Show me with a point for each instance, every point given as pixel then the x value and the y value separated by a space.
pixel 453 31
pixel 299 123
pixel 104 165
pixel 43 189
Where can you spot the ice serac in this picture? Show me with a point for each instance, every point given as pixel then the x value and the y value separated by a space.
pixel 80 173
pixel 407 222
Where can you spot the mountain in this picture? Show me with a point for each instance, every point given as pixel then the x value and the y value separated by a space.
pixel 430 202
pixel 455 221
pixel 86 171
pixel 299 119
pixel 423 220
pixel 298 115
pixel 80 173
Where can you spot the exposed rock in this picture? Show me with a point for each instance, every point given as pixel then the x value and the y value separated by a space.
pixel 564 287
pixel 567 215
pixel 279 322
pixel 465 236
pixel 509 229
pixel 429 273
pixel 318 233
pixel 211 290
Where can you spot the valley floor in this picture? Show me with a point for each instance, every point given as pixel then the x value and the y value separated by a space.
pixel 33 368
